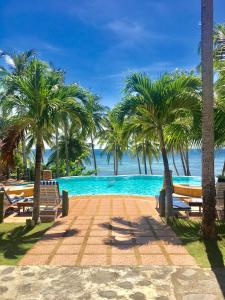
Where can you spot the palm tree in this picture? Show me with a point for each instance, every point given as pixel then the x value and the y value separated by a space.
pixel 96 112
pixel 73 93
pixel 219 43
pixel 17 63
pixel 152 150
pixel 135 151
pixel 156 105
pixel 208 180
pixel 110 138
pixel 77 148
pixel 36 102
pixel 182 135
pixel 143 144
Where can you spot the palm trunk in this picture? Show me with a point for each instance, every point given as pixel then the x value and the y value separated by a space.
pixel 37 179
pixel 57 151
pixel 183 163
pixel 167 175
pixel 144 159
pixel 174 163
pixel 138 161
pixel 116 162
pixel 150 164
pixel 24 154
pixel 186 158
pixel 93 154
pixel 208 179
pixel 66 149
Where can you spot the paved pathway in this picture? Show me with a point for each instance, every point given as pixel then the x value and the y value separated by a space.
pixel 93 283
pixel 109 231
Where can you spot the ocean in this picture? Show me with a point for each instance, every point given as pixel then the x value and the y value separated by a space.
pixel 129 166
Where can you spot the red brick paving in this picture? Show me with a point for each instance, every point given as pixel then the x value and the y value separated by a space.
pixel 109 230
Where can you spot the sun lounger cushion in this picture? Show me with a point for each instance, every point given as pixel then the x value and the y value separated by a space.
pixel 180 205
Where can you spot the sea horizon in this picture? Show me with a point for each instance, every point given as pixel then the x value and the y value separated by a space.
pixel 128 165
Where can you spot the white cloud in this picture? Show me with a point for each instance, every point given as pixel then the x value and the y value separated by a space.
pixel 50 47
pixel 9 60
pixel 155 68
pixel 127 30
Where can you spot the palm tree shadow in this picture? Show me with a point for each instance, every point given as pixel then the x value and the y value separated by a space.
pixel 127 234
pixel 190 233
pixel 18 241
pixel 216 261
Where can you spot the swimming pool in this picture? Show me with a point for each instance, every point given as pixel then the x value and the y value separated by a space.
pixel 128 185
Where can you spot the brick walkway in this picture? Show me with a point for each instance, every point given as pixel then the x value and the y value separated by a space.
pixel 109 230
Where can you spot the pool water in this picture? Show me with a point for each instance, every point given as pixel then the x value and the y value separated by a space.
pixel 128 185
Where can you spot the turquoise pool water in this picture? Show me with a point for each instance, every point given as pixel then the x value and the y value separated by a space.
pixel 128 185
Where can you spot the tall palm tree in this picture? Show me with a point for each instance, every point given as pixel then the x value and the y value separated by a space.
pixel 208 180
pixel 144 144
pixel 73 93
pixel 96 112
pixel 35 102
pixel 157 104
pixel 182 135
pixel 219 44
pixel 17 63
pixel 77 148
pixel 110 137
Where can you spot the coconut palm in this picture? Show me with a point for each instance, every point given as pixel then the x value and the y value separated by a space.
pixel 157 104
pixel 110 137
pixel 96 112
pixel 208 181
pixel 219 43
pixel 72 92
pixel 143 144
pixel 77 147
pixel 182 135
pixel 16 63
pixel 36 102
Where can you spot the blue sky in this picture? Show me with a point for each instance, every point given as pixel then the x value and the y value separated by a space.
pixel 98 42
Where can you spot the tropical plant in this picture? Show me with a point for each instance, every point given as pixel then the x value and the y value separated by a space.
pixel 16 64
pixel 156 104
pixel 110 138
pixel 34 104
pixel 143 144
pixel 208 179
pixel 78 150
pixel 219 44
pixel 96 111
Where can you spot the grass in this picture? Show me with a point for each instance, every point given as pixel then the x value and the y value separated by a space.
pixel 16 239
pixel 209 253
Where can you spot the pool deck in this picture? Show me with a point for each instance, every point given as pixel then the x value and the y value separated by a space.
pixel 109 231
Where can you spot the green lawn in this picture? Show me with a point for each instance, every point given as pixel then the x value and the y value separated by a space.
pixel 17 239
pixel 206 253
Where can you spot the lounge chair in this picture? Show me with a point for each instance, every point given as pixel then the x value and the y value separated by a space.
pixel 50 200
pixel 178 205
pixel 10 201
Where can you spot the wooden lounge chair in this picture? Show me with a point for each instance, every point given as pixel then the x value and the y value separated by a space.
pixel 10 201
pixel 49 200
pixel 179 205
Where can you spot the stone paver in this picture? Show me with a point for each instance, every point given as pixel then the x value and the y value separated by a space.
pixel 102 283
pixel 109 230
